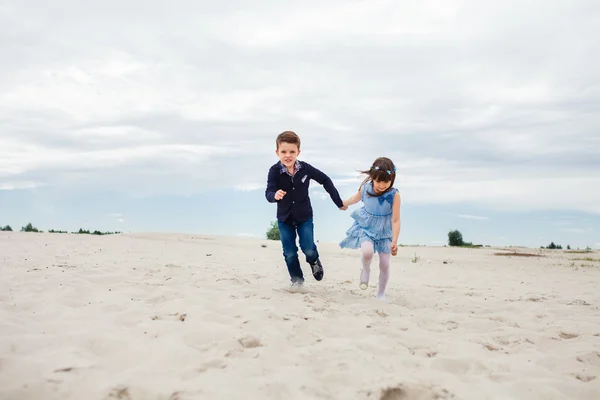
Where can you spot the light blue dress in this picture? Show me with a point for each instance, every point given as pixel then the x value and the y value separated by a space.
pixel 373 221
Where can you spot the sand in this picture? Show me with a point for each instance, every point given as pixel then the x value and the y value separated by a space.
pixel 166 316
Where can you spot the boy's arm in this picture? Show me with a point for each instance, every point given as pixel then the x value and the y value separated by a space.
pixel 271 186
pixel 327 183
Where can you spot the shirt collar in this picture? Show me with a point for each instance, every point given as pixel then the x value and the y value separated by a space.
pixel 297 167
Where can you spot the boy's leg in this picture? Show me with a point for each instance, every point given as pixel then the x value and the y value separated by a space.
pixel 309 248
pixel 287 234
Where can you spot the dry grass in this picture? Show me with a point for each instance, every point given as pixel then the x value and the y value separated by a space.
pixel 515 254
pixel 590 259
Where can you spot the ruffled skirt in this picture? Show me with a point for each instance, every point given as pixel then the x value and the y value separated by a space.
pixel 375 228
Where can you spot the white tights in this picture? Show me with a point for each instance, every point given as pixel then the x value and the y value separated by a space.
pixel 384 267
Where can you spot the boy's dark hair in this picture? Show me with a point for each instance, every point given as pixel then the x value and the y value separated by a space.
pixel 383 170
pixel 288 137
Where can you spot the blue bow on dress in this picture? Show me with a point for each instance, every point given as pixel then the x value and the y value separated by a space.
pixel 389 197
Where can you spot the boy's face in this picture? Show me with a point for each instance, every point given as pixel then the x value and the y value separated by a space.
pixel 381 186
pixel 288 153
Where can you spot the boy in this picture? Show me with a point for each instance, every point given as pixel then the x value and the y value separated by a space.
pixel 287 185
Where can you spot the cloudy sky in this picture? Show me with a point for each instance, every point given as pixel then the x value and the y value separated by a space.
pixel 157 116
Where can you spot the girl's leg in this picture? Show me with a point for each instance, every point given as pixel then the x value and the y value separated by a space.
pixel 366 258
pixel 384 274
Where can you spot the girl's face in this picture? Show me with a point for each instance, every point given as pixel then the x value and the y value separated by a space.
pixel 381 186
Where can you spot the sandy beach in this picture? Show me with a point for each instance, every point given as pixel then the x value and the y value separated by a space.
pixel 166 316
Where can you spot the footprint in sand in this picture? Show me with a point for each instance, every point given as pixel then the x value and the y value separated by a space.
pixel 536 299
pixel 592 358
pixel 457 367
pixel 214 364
pixel 504 321
pixel 247 342
pixel 564 335
pixel 423 352
pixel 414 393
pixel 250 342
pixel 578 302
pixel 125 393
pixel 174 317
pixel 308 298
pixel 120 393
pixel 490 347
pixel 451 325
pixel 584 378
pixel 236 280
pixel 508 341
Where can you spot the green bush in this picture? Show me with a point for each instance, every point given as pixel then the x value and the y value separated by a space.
pixel 455 238
pixel 273 232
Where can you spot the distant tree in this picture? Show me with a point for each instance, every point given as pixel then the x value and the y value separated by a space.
pixel 82 231
pixel 568 247
pixel 7 228
pixel 29 228
pixel 552 245
pixel 273 232
pixel 455 238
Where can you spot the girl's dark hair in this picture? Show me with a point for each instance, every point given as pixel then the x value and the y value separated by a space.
pixel 383 170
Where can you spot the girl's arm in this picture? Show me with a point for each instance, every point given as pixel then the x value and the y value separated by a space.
pixel 355 198
pixel 395 222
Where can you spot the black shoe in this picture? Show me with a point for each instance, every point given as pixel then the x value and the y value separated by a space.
pixel 317 270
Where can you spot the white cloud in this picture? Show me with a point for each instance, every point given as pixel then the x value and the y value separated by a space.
pixel 17 185
pixel 486 105
pixel 352 182
pixel 576 230
pixel 476 217
pixel 318 192
pixel 118 217
pixel 250 187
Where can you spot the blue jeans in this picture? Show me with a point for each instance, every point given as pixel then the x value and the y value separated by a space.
pixel 287 234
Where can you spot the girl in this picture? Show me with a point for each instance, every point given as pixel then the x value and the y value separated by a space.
pixel 376 224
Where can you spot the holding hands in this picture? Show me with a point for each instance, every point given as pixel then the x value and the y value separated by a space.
pixel 345 205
